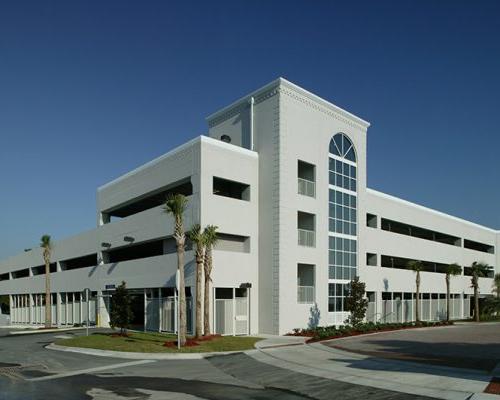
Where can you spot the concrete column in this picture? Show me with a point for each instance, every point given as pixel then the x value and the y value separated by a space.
pixel 462 300
pixel 25 310
pixel 103 314
pixel 34 315
pixel 73 308
pixel 81 309
pixel 58 308
pixel 58 266
pixel 160 303
pixel 14 309
pixel 213 309
pixel 30 302
pixel 20 308
pixel 39 308
pixel 234 312
pixel 378 305
pixel 146 306
pixel 66 308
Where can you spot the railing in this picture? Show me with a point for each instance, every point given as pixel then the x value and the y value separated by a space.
pixel 307 238
pixel 307 188
pixel 305 294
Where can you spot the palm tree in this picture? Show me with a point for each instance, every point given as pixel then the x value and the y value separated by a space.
pixel 478 270
pixel 46 245
pixel 198 238
pixel 451 270
pixel 496 284
pixel 417 266
pixel 176 205
pixel 210 233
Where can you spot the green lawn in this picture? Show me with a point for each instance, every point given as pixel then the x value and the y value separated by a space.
pixel 153 343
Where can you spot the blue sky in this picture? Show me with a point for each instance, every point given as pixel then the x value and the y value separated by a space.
pixel 91 89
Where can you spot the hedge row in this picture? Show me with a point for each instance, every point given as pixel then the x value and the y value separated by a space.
pixel 331 332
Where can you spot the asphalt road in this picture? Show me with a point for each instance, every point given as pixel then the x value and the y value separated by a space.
pixel 29 371
pixel 470 346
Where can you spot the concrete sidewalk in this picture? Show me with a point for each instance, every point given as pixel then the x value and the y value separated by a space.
pixel 274 341
pixel 407 377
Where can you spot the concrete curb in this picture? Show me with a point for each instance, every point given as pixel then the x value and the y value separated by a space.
pixel 381 332
pixel 483 396
pixel 144 356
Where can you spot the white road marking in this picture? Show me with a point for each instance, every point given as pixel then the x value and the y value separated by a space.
pixel 103 394
pixel 63 337
pixel 156 395
pixel 90 370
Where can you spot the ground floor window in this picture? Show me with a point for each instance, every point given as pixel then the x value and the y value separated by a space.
pixel 336 296
pixel 305 283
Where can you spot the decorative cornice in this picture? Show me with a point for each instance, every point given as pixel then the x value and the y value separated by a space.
pixel 295 92
pixel 314 104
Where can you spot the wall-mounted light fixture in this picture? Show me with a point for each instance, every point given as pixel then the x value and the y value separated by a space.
pixel 129 239
pixel 105 244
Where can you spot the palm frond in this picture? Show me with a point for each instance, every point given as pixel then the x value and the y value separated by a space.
pixel 210 233
pixel 415 265
pixel 480 269
pixel 196 235
pixel 453 269
pixel 175 204
pixel 45 242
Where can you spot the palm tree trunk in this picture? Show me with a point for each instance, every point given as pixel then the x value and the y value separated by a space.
pixel 417 310
pixel 447 298
pixel 476 302
pixel 48 316
pixel 182 294
pixel 206 308
pixel 206 305
pixel 199 288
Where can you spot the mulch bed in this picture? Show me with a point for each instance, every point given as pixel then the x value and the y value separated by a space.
pixel 192 342
pixel 313 339
pixel 115 335
pixel 493 387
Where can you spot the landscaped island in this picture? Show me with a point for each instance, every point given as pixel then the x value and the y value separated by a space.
pixel 159 343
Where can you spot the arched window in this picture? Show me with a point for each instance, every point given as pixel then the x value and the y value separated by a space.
pixel 343 222
pixel 341 146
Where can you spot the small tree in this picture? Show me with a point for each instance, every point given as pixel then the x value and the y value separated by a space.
pixel 356 303
pixel 121 310
pixel 417 266
pixel 210 234
pixel 46 245
pixel 451 270
pixel 198 238
pixel 478 270
pixel 176 205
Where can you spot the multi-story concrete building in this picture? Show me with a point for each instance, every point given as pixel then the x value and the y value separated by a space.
pixel 282 173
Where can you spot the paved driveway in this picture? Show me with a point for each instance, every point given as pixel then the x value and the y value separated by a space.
pixel 462 346
pixel 29 371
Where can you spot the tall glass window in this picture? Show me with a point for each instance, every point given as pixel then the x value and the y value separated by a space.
pixel 343 219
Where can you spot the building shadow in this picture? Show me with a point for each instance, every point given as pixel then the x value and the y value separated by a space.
pixel 471 361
